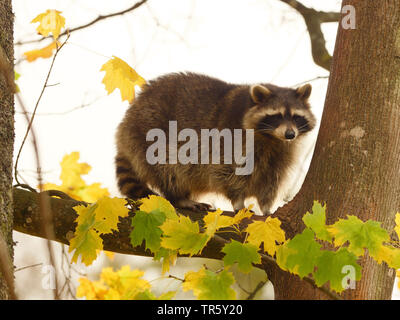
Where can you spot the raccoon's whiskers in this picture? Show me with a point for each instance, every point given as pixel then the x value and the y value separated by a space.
pixel 305 126
pixel 262 130
pixel 265 127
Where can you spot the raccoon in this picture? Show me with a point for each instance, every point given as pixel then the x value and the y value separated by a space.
pixel 277 116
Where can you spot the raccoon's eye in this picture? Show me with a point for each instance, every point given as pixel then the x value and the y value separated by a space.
pixel 301 123
pixel 272 120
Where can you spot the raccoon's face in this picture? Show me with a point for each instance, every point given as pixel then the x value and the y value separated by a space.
pixel 280 112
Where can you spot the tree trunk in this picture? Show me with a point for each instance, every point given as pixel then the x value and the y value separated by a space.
pixel 356 167
pixel 6 137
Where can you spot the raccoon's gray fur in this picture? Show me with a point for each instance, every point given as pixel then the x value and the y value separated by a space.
pixel 277 115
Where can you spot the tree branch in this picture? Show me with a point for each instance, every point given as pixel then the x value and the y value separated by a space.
pixel 27 219
pixel 99 18
pixel 313 20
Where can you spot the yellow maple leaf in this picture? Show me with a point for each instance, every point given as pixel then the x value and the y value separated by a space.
pixel 93 221
pixel 92 290
pixel 114 285
pixel 269 232
pixel 91 193
pixel 72 182
pixel 120 75
pixel 45 52
pixel 124 283
pixel 72 170
pixel 193 280
pixel 242 214
pixel 387 254
pixel 214 220
pixel 50 21
pixel 108 212
pixel 183 235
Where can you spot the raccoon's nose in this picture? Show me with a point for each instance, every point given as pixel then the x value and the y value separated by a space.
pixel 290 134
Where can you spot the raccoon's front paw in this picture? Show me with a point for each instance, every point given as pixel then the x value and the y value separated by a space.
pixel 192 205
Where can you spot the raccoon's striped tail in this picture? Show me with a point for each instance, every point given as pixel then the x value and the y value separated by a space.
pixel 128 181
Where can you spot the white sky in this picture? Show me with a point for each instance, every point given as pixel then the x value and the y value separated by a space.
pixel 235 40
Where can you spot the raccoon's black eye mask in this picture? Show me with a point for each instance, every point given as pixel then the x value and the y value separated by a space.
pixel 270 122
pixel 301 123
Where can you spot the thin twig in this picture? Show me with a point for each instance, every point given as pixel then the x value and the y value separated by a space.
pixel 53 84
pixel 58 194
pixel 83 105
pixel 27 267
pixel 166 28
pixel 99 18
pixel 25 186
pixel 44 205
pixel 34 111
pixel 257 288
pixel 176 278
pixel 311 80
pixel 66 267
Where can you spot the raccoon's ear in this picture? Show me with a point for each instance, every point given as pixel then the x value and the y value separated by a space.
pixel 304 92
pixel 259 93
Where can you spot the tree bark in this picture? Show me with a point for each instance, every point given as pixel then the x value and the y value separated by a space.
pixel 6 145
pixel 356 168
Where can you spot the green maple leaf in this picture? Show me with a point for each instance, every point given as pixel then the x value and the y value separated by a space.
pixel 209 285
pixel 183 235
pixel 146 228
pixel 299 255
pixel 244 254
pixel 359 234
pixel 147 222
pixel 336 267
pixel 86 240
pixel 93 221
pixel 316 222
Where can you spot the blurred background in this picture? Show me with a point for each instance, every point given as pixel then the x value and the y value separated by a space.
pixel 234 40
